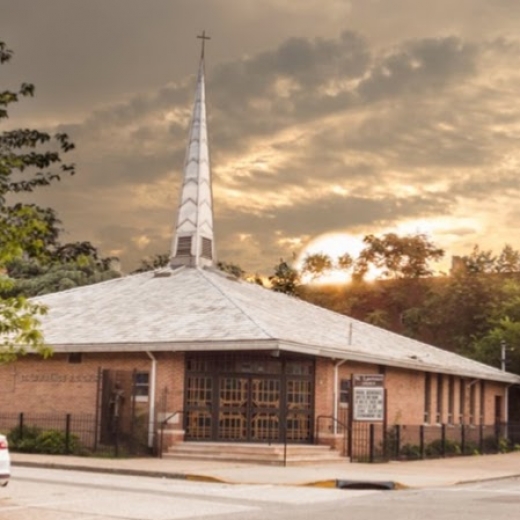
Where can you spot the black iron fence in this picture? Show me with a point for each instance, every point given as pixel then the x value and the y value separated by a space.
pixel 74 434
pixel 372 442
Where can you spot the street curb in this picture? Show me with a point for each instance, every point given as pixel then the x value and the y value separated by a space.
pixel 120 471
pixel 324 484
pixel 487 479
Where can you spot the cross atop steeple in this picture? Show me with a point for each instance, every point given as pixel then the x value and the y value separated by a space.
pixel 203 37
pixel 193 243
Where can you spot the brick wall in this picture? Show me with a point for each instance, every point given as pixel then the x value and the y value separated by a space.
pixel 406 395
pixel 34 385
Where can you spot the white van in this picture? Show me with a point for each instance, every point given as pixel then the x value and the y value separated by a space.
pixel 5 461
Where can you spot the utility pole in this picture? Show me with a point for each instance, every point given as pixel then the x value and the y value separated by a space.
pixel 503 355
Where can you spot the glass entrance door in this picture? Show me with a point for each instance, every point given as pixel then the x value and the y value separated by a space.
pixel 252 398
pixel 233 405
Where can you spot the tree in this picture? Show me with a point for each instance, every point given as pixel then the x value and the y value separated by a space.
pixel 479 261
pixel 285 279
pixel 345 262
pixel 24 166
pixel 398 256
pixel 233 269
pixel 503 330
pixel 155 262
pixel 70 265
pixel 316 265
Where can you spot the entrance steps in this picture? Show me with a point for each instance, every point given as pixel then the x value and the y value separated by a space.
pixel 255 453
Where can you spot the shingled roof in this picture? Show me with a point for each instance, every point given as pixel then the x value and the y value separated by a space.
pixel 201 309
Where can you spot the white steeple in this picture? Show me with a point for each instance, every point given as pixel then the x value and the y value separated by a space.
pixel 193 242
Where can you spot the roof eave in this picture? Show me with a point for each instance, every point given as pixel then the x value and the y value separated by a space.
pixel 274 344
pixel 503 377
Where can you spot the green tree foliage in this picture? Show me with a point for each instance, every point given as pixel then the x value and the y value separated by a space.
pixel 163 259
pixel 155 262
pixel 398 256
pixel 233 269
pixel 67 266
pixel 317 265
pixel 503 331
pixel 285 279
pixel 472 310
pixel 24 166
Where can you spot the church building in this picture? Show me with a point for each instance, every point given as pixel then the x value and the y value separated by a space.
pixel 218 359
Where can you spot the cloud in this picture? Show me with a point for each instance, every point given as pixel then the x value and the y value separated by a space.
pixel 313 126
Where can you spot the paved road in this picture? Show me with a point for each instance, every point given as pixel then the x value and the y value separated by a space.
pixel 42 494
pixel 47 494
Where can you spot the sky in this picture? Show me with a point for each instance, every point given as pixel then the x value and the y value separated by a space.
pixel 328 119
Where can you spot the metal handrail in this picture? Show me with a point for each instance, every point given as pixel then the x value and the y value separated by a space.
pixel 339 423
pixel 164 422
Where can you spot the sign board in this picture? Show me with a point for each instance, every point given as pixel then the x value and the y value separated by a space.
pixel 368 397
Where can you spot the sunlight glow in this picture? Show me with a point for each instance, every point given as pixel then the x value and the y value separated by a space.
pixel 334 245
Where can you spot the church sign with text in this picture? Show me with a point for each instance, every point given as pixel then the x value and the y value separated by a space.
pixel 368 397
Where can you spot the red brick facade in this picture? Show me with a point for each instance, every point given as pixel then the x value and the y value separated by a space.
pixel 56 385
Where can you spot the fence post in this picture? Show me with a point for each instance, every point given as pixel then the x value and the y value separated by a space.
pixel 397 441
pixel 463 439
pixel 371 442
pixel 421 440
pixel 161 441
pixel 481 439
pixel 285 441
pixel 20 425
pixel 116 437
pixel 497 437
pixel 443 440
pixel 67 434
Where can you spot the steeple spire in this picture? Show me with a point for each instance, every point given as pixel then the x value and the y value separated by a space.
pixel 193 243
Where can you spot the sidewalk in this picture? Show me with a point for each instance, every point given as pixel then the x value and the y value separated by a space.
pixel 416 474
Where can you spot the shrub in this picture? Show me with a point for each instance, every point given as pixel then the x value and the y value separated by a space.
pixel 54 442
pixel 23 440
pixel 35 440
pixel 434 449
pixel 471 448
pixel 410 452
pixel 492 444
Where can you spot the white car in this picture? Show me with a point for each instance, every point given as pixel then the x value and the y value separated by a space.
pixel 5 461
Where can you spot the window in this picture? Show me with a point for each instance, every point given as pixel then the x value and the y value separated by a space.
pixel 141 386
pixel 440 395
pixel 451 399
pixel 75 358
pixel 207 249
pixel 472 399
pixel 462 395
pixel 498 409
pixel 427 397
pixel 482 402
pixel 183 246
pixel 344 392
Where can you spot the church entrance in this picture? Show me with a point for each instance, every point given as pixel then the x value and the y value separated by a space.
pixel 248 398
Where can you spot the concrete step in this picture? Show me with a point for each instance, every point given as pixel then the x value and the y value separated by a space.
pixel 257 453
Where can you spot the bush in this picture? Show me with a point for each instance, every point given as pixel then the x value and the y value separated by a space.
pixel 471 448
pixel 54 442
pixel 23 440
pixel 410 452
pixel 434 449
pixel 35 440
pixel 492 444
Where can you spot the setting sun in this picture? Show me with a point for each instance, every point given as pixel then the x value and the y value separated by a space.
pixel 334 245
